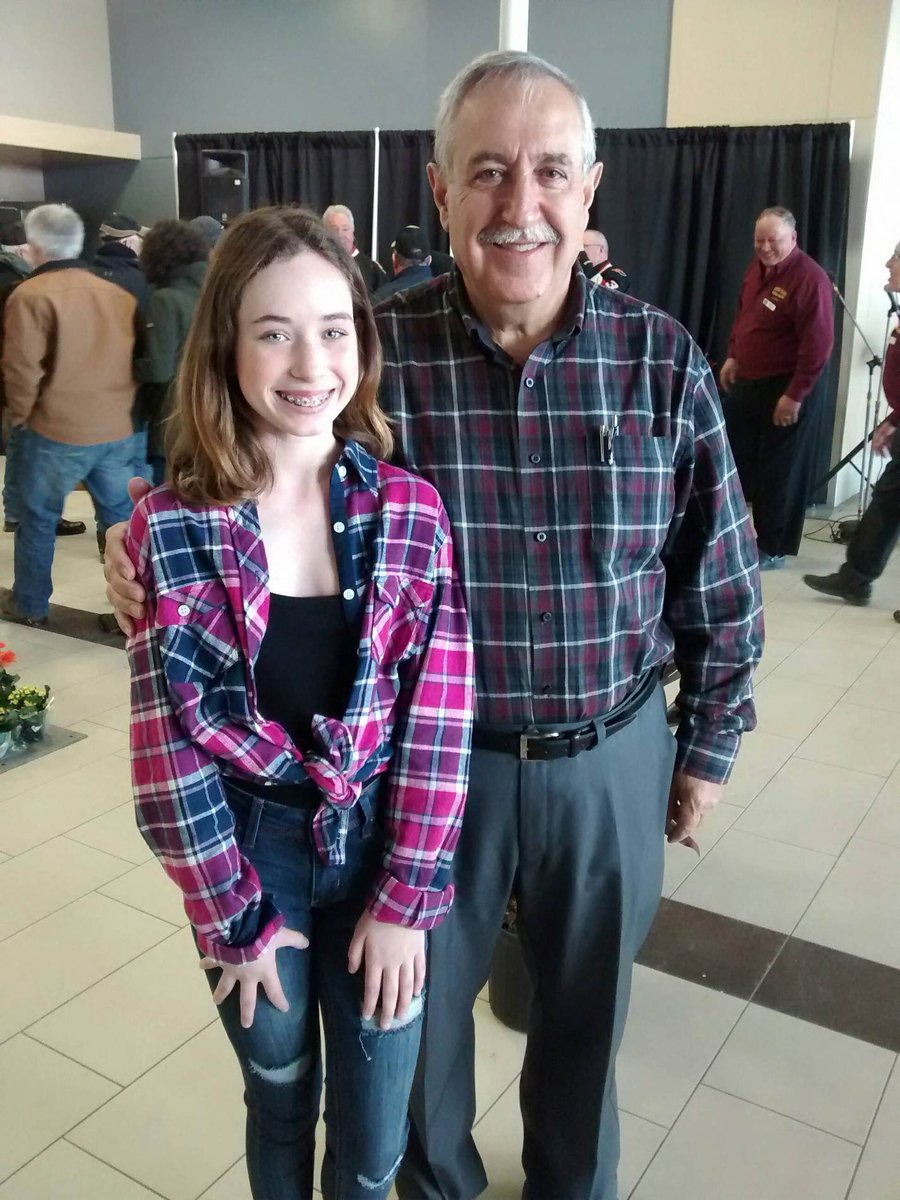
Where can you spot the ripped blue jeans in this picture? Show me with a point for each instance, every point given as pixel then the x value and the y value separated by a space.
pixel 370 1071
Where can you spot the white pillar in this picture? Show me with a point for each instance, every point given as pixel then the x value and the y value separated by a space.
pixel 513 25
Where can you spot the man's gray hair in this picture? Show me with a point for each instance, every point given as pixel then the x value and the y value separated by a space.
pixel 339 210
pixel 517 67
pixel 783 214
pixel 55 230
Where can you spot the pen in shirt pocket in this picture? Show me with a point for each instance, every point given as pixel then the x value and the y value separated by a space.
pixel 607 441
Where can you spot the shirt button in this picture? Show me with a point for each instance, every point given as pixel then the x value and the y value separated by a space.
pixel 349 594
pixel 339 527
pixel 529 382
pixel 534 458
pixel 540 537
pixel 546 616
pixel 546 689
pixel 184 610
pixel 342 471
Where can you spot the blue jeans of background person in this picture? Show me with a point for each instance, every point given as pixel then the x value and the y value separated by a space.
pixel 370 1071
pixel 48 472
pixel 12 474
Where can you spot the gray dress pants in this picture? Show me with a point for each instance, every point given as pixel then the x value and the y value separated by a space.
pixel 581 840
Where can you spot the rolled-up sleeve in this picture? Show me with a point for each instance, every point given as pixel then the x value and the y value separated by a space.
pixel 428 774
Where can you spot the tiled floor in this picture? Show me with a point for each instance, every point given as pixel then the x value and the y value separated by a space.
pixel 117 1084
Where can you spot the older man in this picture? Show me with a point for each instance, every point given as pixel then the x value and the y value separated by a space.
pixel 780 342
pixel 68 344
pixel 576 438
pixel 340 221
pixel 597 265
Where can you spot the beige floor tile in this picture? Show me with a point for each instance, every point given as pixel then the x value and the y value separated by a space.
pixel 115 832
pixel 674 1031
pixel 87 699
pixel 873 625
pixel 879 1168
pixel 774 653
pixel 792 708
pixel 878 686
pixel 149 888
pixel 498 1060
pixel 681 861
pixel 98 743
pixel 854 737
pixel 116 718
pixel 178 1128
pixel 233 1185
pixel 756 880
pixel 858 908
pixel 794 619
pixel 92 662
pixel 761 755
pixel 825 659
pixel 63 1172
pixel 722 1148
pixel 42 1095
pixel 63 803
pixel 883 821
pixel 800 1070
pixel 640 1140
pixel 55 959
pixel 37 883
pixel 812 805
pixel 132 1019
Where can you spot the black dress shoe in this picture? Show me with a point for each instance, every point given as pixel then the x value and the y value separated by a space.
pixel 897 615
pixel 836 585
pixel 64 528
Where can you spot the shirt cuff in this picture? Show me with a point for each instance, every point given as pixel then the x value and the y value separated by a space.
pixel 251 938
pixel 397 903
pixel 708 756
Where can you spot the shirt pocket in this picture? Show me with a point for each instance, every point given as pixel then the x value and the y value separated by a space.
pixel 631 492
pixel 400 605
pixel 197 631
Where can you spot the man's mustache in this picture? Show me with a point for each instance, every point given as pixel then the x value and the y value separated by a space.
pixel 509 235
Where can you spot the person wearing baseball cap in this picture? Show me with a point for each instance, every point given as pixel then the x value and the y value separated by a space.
pixel 411 257
pixel 117 258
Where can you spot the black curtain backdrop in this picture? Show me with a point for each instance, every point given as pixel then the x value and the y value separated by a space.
pixel 404 194
pixel 315 169
pixel 678 207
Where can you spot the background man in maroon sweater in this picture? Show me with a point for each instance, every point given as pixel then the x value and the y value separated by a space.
pixel 876 537
pixel 780 341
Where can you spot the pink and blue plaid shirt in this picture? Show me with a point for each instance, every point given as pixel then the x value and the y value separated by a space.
pixel 195 721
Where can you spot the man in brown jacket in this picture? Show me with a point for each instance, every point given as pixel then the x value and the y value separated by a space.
pixel 68 345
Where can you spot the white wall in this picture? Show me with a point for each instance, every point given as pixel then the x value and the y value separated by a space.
pixel 55 62
pixel 778 62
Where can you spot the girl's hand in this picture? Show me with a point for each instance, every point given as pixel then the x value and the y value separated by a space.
pixel 395 966
pixel 249 976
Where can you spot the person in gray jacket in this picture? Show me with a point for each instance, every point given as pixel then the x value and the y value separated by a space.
pixel 174 257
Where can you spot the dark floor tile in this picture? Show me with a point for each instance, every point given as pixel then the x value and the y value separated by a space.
pixel 706 948
pixel 838 991
pixel 78 623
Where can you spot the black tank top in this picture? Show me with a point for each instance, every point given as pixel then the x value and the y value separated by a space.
pixel 306 664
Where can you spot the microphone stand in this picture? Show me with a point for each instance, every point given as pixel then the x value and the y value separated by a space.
pixel 848 527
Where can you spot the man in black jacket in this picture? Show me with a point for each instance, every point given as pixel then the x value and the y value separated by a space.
pixel 117 256
pixel 411 259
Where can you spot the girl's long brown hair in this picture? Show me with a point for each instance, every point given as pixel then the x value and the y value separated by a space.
pixel 214 452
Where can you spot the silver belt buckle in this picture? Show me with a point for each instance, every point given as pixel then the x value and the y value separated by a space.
pixel 535 735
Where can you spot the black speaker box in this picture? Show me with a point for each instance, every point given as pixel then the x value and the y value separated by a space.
pixel 224 188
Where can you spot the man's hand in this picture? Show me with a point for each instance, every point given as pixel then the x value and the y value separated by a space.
pixel 787 412
pixel 249 976
pixel 395 966
pixel 728 373
pixel 883 436
pixel 690 799
pixel 122 591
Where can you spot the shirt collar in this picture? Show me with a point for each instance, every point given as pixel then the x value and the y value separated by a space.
pixel 770 273
pixel 571 320
pixel 364 464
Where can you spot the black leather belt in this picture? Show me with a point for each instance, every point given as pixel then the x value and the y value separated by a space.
pixel 536 745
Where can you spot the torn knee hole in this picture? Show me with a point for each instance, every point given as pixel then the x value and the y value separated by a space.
pixel 281 1076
